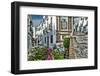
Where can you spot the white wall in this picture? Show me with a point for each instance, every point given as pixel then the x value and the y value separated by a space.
pixel 5 41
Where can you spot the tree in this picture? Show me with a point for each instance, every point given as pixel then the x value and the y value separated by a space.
pixel 66 44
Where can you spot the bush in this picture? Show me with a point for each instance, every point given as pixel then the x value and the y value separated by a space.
pixel 57 54
pixel 66 42
pixel 41 54
pixel 37 54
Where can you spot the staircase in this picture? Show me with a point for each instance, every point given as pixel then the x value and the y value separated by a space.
pixel 81 46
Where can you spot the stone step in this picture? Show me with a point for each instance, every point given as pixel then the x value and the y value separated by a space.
pixel 81 46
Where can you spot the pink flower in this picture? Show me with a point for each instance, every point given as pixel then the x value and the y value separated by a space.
pixel 49 56
pixel 49 49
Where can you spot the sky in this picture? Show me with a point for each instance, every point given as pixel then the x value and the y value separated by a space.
pixel 36 19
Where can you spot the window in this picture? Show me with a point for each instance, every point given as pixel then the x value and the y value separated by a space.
pixel 63 22
pixel 51 38
pixel 45 39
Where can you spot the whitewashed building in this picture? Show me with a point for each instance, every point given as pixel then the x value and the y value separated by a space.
pixel 29 32
pixel 46 32
pixel 80 24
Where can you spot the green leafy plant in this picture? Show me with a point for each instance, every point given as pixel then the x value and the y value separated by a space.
pixel 37 54
pixel 57 54
pixel 66 44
